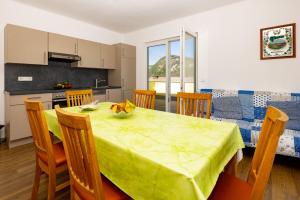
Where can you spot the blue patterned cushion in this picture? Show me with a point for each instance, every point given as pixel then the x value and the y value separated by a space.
pixel 246 134
pixel 297 144
pixel 259 112
pixel 247 106
pixel 292 109
pixel 227 107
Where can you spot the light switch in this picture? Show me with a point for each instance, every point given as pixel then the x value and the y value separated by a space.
pixel 24 78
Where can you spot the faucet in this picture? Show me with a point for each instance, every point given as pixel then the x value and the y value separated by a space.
pixel 99 81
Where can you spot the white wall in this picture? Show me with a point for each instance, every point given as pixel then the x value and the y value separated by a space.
pixel 228 42
pixel 229 55
pixel 19 14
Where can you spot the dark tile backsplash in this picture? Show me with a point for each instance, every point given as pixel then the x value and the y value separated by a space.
pixel 45 77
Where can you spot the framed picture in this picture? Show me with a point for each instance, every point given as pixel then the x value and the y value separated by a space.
pixel 278 42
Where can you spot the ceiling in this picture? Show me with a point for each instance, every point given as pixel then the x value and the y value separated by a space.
pixel 126 15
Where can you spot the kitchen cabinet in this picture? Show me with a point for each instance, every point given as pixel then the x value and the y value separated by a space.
pixel 25 45
pixel 62 44
pixel 90 54
pixel 114 95
pixel 127 94
pixel 100 97
pixel 108 56
pixel 128 73
pixel 128 51
pixel 125 73
pixel 18 129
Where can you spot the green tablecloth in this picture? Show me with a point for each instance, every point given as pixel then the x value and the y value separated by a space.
pixel 159 155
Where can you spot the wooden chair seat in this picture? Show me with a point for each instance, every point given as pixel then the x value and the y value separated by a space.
pixel 59 155
pixel 230 187
pixel 111 192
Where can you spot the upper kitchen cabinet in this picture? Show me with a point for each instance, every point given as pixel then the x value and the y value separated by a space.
pixel 62 44
pixel 90 54
pixel 25 45
pixel 108 56
pixel 128 51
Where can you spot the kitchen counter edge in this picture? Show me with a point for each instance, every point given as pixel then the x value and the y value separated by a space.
pixel 25 92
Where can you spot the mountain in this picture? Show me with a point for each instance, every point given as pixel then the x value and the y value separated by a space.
pixel 159 69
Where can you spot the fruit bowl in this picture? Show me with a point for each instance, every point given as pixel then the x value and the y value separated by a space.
pixel 123 110
pixel 122 114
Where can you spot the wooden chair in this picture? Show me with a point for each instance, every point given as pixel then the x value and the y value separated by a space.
pixel 79 97
pixel 86 181
pixel 144 98
pixel 50 158
pixel 194 104
pixel 230 187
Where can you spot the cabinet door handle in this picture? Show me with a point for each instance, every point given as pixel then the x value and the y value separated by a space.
pixel 45 57
pixel 34 97
pixel 75 48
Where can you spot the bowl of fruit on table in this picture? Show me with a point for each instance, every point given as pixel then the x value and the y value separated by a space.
pixel 123 110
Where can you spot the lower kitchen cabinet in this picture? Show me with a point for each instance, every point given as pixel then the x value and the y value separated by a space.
pixel 100 97
pixel 114 95
pixel 17 126
pixel 127 94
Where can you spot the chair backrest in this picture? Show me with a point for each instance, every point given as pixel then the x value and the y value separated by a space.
pixel 261 166
pixel 39 129
pixel 79 97
pixel 194 104
pixel 144 98
pixel 80 152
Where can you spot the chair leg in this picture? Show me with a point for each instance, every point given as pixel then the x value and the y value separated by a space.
pixel 51 186
pixel 72 193
pixel 36 184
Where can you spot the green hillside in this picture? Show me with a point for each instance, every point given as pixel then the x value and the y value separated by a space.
pixel 159 69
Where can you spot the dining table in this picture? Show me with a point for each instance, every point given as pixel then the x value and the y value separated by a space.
pixel 155 155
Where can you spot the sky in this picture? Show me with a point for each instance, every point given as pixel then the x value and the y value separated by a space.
pixel 159 51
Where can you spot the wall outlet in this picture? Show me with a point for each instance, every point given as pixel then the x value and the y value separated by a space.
pixel 24 78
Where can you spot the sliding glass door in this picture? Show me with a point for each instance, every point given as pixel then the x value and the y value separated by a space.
pixel 174 75
pixel 188 61
pixel 157 76
pixel 171 69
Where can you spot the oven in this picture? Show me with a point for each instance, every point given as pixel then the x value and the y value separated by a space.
pixel 59 98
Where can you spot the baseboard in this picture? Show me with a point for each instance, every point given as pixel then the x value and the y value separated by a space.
pixel 15 143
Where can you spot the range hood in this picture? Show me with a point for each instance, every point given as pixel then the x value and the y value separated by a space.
pixel 63 57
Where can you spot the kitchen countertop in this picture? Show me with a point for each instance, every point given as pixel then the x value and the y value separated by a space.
pixel 99 90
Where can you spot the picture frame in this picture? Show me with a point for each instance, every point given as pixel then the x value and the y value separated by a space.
pixel 278 42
